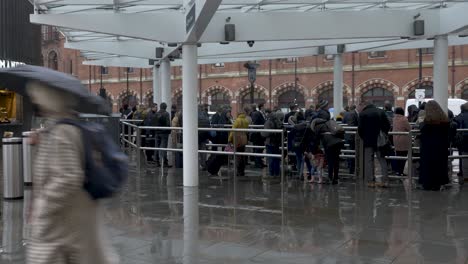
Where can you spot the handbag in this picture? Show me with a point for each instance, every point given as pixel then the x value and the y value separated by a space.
pixel 229 148
pixel 382 139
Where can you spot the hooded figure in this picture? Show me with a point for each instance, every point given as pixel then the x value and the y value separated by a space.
pixel 65 222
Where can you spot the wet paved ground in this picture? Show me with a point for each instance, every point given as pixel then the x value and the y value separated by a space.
pixel 156 220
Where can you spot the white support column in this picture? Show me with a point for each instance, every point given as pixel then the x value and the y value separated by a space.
pixel 190 114
pixel 441 71
pixel 191 226
pixel 166 95
pixel 156 85
pixel 338 84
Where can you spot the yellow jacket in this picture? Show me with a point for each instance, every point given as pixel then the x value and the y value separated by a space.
pixel 241 122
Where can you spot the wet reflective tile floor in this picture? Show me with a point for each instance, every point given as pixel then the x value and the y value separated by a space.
pixel 156 220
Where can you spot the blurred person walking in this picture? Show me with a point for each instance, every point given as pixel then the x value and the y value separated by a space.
pixel 150 134
pixel 66 224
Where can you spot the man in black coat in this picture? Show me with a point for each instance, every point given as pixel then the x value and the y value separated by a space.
pixel 462 123
pixel 258 119
pixel 292 111
pixel 162 119
pixel 372 121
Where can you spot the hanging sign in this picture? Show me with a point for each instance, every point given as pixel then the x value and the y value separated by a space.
pixel 190 18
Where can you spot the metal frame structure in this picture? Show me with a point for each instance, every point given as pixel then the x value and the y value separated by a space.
pixel 126 33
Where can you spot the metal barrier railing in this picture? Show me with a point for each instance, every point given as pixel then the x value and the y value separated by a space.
pixel 127 138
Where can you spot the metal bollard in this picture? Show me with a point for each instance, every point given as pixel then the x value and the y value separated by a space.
pixel 12 168
pixel 27 159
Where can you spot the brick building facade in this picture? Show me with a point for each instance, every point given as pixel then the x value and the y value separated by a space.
pixel 377 76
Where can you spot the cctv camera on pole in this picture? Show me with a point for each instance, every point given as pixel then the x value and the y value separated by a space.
pixel 252 70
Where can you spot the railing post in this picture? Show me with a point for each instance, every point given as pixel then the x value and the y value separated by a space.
pixel 138 143
pixel 235 150
pixel 129 136
pixel 282 162
pixel 410 162
pixel 122 134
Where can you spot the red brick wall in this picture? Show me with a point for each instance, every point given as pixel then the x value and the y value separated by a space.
pixel 397 72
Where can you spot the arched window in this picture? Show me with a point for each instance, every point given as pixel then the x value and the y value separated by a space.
pixel 378 96
pixel 52 60
pixel 220 99
pixel 128 99
pixel 259 98
pixel 291 97
pixel 328 95
pixel 464 94
pixel 429 92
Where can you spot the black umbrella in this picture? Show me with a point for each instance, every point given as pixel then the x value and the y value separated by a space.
pixel 15 79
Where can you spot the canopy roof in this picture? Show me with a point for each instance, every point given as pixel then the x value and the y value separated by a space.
pixel 117 32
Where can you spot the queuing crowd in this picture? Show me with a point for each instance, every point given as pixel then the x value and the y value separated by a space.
pixel 315 140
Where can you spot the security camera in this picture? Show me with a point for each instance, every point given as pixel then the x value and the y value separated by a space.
pixel 250 43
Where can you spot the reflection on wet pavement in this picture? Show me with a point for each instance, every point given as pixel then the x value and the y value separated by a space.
pixel 156 220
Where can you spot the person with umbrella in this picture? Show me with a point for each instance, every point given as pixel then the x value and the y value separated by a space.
pixel 65 226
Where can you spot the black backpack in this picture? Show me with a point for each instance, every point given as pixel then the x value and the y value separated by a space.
pixel 106 166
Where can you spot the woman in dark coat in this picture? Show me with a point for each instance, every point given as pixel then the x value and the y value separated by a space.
pixel 434 148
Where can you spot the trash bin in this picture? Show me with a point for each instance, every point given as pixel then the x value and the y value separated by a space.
pixel 12 237
pixel 27 159
pixel 12 168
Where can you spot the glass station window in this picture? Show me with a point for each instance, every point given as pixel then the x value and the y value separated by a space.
pixel 378 96
pixel 291 97
pixel 258 98
pixel 328 95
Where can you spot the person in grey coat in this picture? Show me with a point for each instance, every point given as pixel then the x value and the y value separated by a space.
pixel 65 223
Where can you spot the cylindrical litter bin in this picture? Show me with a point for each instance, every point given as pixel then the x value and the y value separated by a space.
pixel 12 168
pixel 27 159
pixel 12 237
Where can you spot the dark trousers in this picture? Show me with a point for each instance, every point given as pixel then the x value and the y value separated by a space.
pixel 240 161
pixel 351 161
pixel 258 160
pixel 161 142
pixel 399 165
pixel 333 160
pixel 149 142
pixel 274 165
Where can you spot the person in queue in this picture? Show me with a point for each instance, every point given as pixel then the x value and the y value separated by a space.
pixel 351 118
pixel 150 134
pixel 332 142
pixel 373 128
pixel 292 112
pixel 402 143
pixel 298 133
pixel 219 120
pixel 162 119
pixel 240 140
pixel 462 141
pixel 273 141
pixel 203 136
pixel 434 147
pixel 322 110
pixel 258 119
